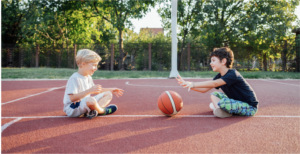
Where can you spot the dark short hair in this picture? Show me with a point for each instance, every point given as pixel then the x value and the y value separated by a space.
pixel 222 53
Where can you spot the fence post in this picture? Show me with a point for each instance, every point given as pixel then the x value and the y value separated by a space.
pixel 112 54
pixel 149 56
pixel 9 57
pixel 189 56
pixel 297 47
pixel 21 57
pixel 284 60
pixel 48 58
pixel 37 50
pixel 74 61
pixel 1 58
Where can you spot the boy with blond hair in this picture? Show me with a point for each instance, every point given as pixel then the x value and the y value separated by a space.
pixel 239 97
pixel 80 86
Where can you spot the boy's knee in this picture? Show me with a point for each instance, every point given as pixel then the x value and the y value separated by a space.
pixel 90 101
pixel 213 97
pixel 108 94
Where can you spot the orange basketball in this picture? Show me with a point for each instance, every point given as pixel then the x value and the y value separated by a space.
pixel 170 103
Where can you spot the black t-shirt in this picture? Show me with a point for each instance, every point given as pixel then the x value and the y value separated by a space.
pixel 237 87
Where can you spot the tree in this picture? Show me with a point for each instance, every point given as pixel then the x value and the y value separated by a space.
pixel 189 18
pixel 14 14
pixel 118 13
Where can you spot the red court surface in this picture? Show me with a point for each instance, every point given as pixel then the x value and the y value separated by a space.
pixel 33 120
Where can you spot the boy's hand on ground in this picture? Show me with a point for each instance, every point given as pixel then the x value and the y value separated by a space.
pixel 96 89
pixel 117 92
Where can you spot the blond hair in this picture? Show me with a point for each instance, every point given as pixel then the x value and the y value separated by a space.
pixel 86 55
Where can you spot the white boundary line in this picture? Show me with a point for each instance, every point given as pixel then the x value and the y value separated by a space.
pixel 137 79
pixel 10 123
pixel 149 116
pixel 283 83
pixel 51 89
pixel 150 85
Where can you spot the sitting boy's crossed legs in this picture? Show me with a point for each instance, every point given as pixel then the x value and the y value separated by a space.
pixel 225 107
pixel 99 103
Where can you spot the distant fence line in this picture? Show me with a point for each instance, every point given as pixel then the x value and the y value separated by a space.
pixel 142 56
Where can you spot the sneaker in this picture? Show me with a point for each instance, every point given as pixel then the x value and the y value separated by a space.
pixel 110 109
pixel 218 112
pixel 92 114
pixel 211 106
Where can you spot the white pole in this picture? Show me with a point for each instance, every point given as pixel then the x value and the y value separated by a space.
pixel 174 71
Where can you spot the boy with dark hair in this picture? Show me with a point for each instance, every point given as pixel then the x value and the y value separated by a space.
pixel 239 97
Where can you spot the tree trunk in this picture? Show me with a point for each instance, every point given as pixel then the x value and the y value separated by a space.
pixel 249 57
pixel 181 53
pixel 283 56
pixel 121 53
pixel 297 41
pixel 265 61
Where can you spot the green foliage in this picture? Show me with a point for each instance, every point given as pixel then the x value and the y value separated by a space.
pixel 137 46
pixel 14 15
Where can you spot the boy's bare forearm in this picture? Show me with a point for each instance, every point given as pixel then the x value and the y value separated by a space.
pixel 209 84
pixel 205 84
pixel 106 89
pixel 202 90
pixel 79 96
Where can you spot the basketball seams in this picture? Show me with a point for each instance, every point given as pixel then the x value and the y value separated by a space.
pixel 172 102
pixel 176 98
pixel 164 105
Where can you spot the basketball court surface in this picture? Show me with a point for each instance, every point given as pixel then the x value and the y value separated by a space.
pixel 33 120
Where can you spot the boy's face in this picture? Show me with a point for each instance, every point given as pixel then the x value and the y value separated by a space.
pixel 89 68
pixel 216 64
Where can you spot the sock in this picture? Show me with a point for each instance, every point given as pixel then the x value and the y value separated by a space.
pixel 211 106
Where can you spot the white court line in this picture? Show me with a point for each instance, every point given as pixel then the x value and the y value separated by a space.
pixel 163 78
pixel 149 85
pixel 10 123
pixel 149 116
pixel 282 83
pixel 51 89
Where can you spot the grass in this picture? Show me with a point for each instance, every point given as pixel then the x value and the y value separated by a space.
pixel 65 73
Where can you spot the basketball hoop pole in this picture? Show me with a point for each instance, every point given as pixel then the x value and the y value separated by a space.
pixel 174 71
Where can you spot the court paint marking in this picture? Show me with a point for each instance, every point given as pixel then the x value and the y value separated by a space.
pixel 10 123
pixel 51 89
pixel 159 78
pixel 149 116
pixel 282 83
pixel 149 85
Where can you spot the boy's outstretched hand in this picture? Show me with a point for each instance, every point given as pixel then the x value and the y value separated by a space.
pixel 179 79
pixel 184 84
pixel 116 91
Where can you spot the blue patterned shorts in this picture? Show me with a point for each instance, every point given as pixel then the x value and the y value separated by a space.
pixel 234 106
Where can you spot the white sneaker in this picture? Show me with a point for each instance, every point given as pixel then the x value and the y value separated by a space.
pixel 211 106
pixel 218 112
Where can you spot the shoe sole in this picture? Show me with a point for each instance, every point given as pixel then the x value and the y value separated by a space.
pixel 91 117
pixel 221 113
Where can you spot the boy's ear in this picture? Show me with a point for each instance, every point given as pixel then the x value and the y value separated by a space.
pixel 224 61
pixel 82 64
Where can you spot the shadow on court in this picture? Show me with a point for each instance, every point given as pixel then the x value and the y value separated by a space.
pixel 104 135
